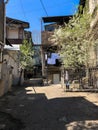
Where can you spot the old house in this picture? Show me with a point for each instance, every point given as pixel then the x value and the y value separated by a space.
pixel 15 34
pixel 51 65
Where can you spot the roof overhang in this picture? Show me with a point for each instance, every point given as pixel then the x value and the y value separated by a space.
pixel 17 22
pixel 57 19
pixel 61 19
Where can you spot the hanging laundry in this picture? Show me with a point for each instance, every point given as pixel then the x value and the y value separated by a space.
pixel 51 61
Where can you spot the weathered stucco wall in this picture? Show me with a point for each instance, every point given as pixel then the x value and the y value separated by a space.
pixel 13 33
pixel 92 5
pixel 12 58
pixel 6 80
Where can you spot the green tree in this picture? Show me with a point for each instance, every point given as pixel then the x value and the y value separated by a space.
pixel 27 53
pixel 74 41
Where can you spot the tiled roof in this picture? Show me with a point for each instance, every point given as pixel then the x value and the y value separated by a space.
pixel 16 21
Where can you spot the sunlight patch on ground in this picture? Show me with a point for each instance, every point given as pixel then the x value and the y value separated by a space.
pixel 92 98
pixel 87 125
pixel 29 90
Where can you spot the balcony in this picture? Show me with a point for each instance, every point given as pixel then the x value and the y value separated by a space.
pixel 15 41
pixel 46 35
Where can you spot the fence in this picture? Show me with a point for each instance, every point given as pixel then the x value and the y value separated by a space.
pixel 83 78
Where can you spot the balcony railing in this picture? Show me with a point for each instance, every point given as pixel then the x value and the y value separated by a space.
pixel 15 41
pixel 46 35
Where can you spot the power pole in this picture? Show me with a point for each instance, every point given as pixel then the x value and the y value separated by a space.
pixel 2 15
pixel 2 31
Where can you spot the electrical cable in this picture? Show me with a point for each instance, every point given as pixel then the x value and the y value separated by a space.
pixel 23 10
pixel 37 9
pixel 43 7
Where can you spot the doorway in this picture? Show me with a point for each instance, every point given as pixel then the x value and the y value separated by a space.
pixel 56 78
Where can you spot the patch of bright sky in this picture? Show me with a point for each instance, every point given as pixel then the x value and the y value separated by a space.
pixel 31 10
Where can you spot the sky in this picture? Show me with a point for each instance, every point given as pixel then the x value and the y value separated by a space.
pixel 32 10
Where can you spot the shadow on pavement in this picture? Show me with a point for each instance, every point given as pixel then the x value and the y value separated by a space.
pixel 36 112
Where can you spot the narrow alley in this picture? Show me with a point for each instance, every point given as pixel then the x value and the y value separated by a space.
pixel 48 108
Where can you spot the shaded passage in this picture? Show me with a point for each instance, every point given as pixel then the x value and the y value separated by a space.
pixel 34 111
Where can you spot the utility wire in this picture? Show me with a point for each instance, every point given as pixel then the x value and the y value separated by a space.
pixel 43 7
pixel 23 10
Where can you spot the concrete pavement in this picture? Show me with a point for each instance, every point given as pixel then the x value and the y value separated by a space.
pixel 48 108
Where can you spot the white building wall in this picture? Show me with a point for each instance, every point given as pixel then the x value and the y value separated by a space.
pixel 13 59
pixel 6 80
